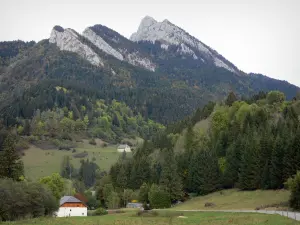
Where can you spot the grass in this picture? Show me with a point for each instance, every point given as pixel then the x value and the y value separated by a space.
pixel 39 162
pixel 234 199
pixel 130 218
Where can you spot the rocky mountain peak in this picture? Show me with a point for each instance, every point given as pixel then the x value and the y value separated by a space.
pixel 68 40
pixel 169 34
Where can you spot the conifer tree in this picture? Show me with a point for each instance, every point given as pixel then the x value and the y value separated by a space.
pixel 292 156
pixel 11 165
pixel 250 171
pixel 170 180
pixel 204 176
pixel 190 139
pixel 276 170
pixel 122 178
pixel 233 160
pixel 140 172
pixel 67 169
pixel 231 98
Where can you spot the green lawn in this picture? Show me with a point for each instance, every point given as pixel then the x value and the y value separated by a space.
pixel 202 218
pixel 39 162
pixel 234 199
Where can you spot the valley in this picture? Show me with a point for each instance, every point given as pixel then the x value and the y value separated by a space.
pixel 203 134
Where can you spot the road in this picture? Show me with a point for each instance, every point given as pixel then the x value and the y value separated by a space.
pixel 292 215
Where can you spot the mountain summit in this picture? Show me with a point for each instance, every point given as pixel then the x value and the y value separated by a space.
pixel 169 34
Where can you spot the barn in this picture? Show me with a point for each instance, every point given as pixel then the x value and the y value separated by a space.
pixel 71 206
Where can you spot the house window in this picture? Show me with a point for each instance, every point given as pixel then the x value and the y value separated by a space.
pixel 83 214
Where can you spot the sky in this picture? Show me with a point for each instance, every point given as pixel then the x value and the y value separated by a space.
pixel 261 36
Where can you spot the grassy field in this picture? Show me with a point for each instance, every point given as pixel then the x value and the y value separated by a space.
pixel 202 218
pixel 39 162
pixel 234 199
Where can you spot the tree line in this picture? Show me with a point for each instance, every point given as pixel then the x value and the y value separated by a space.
pixel 249 144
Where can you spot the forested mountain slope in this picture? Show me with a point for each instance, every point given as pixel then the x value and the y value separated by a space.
pixel 163 73
pixel 251 144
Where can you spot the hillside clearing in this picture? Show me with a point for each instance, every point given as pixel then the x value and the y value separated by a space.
pixel 203 218
pixel 39 162
pixel 235 199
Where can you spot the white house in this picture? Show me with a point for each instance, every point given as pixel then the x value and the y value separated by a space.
pixel 71 206
pixel 122 148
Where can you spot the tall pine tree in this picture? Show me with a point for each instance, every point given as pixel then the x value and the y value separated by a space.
pixel 170 180
pixel 11 165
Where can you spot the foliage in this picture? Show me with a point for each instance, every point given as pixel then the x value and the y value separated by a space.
pixel 293 184
pixel 275 97
pixel 87 172
pixel 170 180
pixel 113 200
pixel 67 168
pixel 23 199
pixel 159 199
pixel 55 183
pixel 251 144
pixel 100 212
pixel 11 165
pixel 143 194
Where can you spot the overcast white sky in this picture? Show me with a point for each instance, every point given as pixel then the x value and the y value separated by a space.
pixel 260 36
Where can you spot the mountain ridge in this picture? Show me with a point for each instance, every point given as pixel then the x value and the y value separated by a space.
pixel 163 77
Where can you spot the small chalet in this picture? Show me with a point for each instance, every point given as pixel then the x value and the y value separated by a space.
pixel 124 148
pixel 71 206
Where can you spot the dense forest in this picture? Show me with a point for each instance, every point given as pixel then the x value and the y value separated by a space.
pixel 250 144
pixel 68 118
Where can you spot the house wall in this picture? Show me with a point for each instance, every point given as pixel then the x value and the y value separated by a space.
pixel 124 149
pixel 71 211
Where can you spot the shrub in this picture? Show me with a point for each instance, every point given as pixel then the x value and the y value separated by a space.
pixel 100 212
pixel 294 186
pixel 209 204
pixel 158 198
pixel 66 136
pixel 32 139
pixel 92 142
pixel 23 199
pixel 104 144
pixel 22 145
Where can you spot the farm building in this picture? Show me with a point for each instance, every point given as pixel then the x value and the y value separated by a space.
pixel 122 148
pixel 71 206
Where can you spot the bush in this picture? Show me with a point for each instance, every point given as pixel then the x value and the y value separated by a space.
pixel 158 198
pixel 294 186
pixel 209 204
pixel 92 142
pixel 22 145
pixel 23 199
pixel 100 212
pixel 104 145
pixel 66 136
